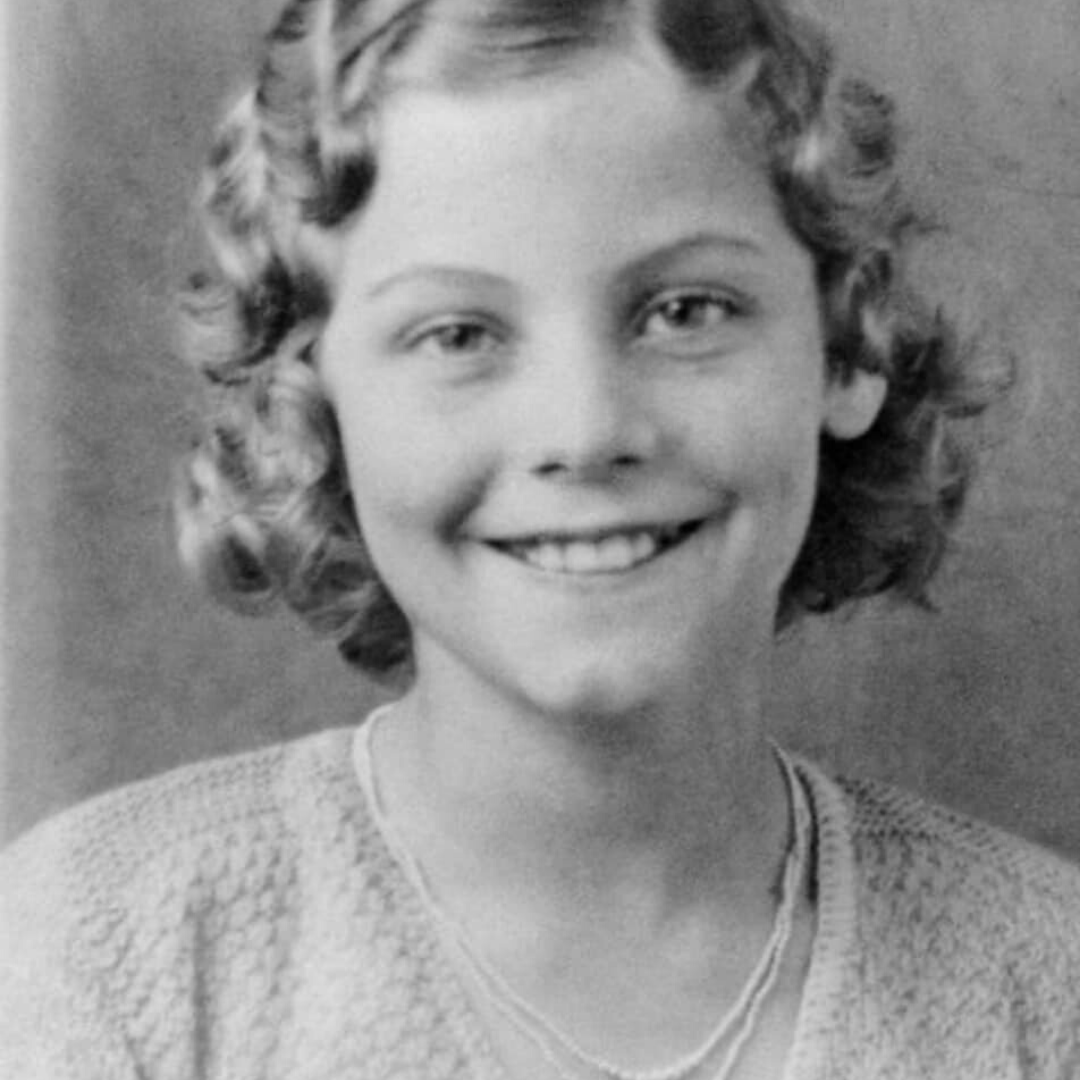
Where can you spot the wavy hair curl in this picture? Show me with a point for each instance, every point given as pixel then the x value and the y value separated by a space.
pixel 265 512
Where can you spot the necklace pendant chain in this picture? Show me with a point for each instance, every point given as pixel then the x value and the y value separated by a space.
pixel 557 1047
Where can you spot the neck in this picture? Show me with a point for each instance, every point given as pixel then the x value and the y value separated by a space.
pixel 652 812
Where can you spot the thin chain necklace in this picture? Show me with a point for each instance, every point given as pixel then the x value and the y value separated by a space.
pixel 738 1022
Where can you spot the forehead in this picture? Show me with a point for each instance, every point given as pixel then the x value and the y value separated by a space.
pixel 609 155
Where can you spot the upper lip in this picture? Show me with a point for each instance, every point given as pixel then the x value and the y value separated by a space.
pixel 593 533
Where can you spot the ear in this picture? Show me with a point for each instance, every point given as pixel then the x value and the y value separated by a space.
pixel 853 403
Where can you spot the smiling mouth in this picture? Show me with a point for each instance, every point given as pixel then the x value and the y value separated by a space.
pixel 610 553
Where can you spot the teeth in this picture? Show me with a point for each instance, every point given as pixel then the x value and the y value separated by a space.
pixel 616 552
pixel 613 553
pixel 643 546
pixel 546 556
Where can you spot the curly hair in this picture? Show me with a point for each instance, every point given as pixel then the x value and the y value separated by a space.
pixel 264 508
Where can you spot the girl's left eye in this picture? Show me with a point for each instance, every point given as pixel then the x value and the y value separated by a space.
pixel 688 313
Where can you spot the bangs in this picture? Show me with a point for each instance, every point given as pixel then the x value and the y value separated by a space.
pixel 475 43
pixel 709 38
pixel 467 44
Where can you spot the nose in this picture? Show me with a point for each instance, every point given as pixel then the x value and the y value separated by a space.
pixel 588 414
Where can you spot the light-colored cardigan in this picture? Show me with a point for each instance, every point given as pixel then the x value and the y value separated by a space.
pixel 242 918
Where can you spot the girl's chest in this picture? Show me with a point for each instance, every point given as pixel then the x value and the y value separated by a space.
pixel 763 1051
pixel 755 1037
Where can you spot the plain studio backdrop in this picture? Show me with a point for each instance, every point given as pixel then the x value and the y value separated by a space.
pixel 116 668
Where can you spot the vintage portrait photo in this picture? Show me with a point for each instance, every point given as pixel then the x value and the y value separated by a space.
pixel 540 540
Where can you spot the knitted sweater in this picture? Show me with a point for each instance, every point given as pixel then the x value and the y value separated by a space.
pixel 242 918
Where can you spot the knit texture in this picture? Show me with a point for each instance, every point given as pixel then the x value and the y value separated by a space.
pixel 242 918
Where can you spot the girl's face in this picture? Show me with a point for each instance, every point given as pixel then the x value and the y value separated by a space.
pixel 577 363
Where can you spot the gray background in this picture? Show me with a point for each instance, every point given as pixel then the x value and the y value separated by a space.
pixel 115 668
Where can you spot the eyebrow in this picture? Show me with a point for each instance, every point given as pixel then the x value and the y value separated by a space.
pixel 464 277
pixel 658 258
pixel 461 277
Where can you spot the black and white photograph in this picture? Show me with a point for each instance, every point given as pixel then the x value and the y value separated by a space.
pixel 540 540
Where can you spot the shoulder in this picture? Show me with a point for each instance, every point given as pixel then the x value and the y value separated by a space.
pixel 176 838
pixel 106 908
pixel 998 882
pixel 967 932
pixel 111 839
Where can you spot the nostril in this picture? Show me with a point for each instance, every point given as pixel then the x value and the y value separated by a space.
pixel 550 468
pixel 587 467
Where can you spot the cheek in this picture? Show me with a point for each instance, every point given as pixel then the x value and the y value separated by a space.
pixel 796 472
pixel 408 474
pixel 764 454
pixel 765 443
pixel 795 466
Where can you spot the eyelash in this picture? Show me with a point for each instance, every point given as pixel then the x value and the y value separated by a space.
pixel 731 308
pixel 435 335
pixel 440 335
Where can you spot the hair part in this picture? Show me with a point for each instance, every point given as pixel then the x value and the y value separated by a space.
pixel 264 509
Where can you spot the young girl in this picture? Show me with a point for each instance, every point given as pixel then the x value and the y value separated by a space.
pixel 560 353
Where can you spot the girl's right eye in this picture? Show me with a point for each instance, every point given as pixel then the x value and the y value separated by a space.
pixel 457 338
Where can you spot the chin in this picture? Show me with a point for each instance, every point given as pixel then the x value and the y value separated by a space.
pixel 593 688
